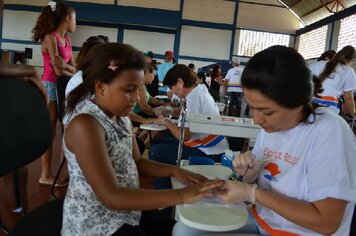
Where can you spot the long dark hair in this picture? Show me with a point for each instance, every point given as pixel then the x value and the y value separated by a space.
pixel 280 73
pixel 346 54
pixel 328 54
pixel 49 20
pixel 87 45
pixel 120 57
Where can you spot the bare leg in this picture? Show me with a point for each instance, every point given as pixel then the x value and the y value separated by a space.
pixel 46 159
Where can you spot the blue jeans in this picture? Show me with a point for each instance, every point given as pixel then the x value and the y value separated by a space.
pixel 250 227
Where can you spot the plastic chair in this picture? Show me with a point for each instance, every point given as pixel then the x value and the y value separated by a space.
pixel 26 133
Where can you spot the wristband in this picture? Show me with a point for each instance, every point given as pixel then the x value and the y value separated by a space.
pixel 251 190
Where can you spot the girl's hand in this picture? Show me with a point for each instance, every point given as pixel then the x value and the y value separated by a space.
pixel 58 62
pixel 196 192
pixel 187 177
pixel 233 192
pixel 160 121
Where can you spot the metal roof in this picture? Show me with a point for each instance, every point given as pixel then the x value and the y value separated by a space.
pixel 310 11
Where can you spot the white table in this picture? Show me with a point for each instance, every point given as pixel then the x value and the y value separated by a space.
pixel 153 127
pixel 211 214
pixel 223 125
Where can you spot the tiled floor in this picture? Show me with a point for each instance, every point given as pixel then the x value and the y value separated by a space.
pixel 36 194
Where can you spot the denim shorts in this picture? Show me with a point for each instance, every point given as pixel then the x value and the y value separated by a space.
pixel 51 88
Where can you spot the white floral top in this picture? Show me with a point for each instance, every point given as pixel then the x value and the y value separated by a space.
pixel 83 213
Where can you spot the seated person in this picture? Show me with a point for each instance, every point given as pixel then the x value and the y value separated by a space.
pixel 143 107
pixel 309 185
pixel 104 197
pixel 183 83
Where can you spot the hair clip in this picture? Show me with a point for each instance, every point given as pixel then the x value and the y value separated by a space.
pixel 52 5
pixel 112 67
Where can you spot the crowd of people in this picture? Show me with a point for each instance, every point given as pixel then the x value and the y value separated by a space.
pixel 101 98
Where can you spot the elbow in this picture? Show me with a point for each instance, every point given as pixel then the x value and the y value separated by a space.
pixel 329 229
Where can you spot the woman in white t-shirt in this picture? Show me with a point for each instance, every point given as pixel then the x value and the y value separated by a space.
pixel 317 67
pixel 338 78
pixel 183 83
pixel 300 175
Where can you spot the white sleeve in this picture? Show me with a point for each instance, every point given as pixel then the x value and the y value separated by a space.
pixel 350 81
pixel 327 164
pixel 228 75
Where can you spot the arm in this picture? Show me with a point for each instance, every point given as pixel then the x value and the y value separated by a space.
pixel 60 67
pixel 322 216
pixel 143 103
pixel 175 130
pixel 86 138
pixel 139 119
pixel 349 106
pixel 154 101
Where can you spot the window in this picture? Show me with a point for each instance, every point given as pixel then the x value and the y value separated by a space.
pixel 347 35
pixel 312 44
pixel 251 42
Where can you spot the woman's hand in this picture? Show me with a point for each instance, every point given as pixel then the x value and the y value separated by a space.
pixel 187 177
pixel 246 162
pixel 234 192
pixel 196 192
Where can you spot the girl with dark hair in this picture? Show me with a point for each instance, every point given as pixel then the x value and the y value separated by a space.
pixel 339 79
pixel 103 196
pixel 216 82
pixel 318 66
pixel 52 26
pixel 202 79
pixel 300 175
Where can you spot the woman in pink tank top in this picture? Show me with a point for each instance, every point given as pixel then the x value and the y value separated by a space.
pixel 52 26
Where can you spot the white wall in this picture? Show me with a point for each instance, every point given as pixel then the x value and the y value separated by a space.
pixel 216 11
pixel 145 41
pixel 204 42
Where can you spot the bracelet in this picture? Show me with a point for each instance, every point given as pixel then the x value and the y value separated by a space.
pixel 251 190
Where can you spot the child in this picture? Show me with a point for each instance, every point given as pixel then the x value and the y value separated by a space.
pixel 52 26
pixel 104 163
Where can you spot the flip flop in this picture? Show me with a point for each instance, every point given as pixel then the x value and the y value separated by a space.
pixel 57 185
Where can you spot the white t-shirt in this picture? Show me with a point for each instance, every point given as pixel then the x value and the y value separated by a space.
pixel 342 80
pixel 201 102
pixel 311 162
pixel 233 77
pixel 76 79
pixel 317 67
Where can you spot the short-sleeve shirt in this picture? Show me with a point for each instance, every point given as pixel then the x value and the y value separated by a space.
pixel 199 101
pixel 311 162
pixel 233 77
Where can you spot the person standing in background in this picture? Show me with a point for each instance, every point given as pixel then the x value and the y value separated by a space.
pixel 233 84
pixel 163 68
pixel 52 26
